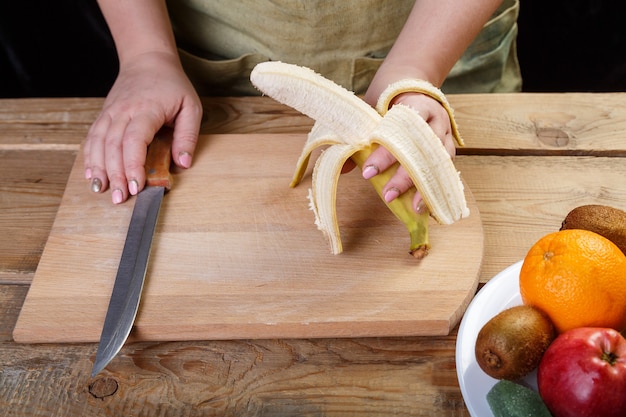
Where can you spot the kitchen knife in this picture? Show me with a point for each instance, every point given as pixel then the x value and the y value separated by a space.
pixel 124 302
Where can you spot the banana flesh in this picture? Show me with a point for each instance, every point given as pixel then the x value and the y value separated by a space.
pixel 350 128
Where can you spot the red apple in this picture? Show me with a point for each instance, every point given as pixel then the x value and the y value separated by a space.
pixel 583 373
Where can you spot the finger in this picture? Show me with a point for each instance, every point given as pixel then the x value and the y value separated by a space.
pixel 399 183
pixel 94 152
pixel 418 204
pixel 87 153
pixel 378 161
pixel 186 129
pixel 114 160
pixel 137 136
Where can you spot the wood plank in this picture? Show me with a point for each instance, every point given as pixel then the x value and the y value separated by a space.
pixel 251 115
pixel 565 123
pixel 28 122
pixel 237 255
pixel 522 198
pixel 41 121
pixel 370 377
pixel 542 124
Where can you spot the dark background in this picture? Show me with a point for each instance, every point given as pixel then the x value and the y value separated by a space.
pixel 55 48
pixel 63 48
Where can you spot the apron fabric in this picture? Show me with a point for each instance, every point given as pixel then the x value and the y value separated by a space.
pixel 220 41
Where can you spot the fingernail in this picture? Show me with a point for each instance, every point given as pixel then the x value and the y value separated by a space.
pixel 88 173
pixel 370 171
pixel 96 185
pixel 133 187
pixel 184 159
pixel 391 194
pixel 117 196
pixel 421 207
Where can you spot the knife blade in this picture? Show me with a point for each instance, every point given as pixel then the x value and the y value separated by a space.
pixel 131 273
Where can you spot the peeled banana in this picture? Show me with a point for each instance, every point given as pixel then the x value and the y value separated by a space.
pixel 350 128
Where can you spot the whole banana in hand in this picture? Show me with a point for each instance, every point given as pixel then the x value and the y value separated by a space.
pixel 353 129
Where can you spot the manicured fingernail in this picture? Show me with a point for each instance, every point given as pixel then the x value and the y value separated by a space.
pixel 184 159
pixel 391 194
pixel 370 171
pixel 117 196
pixel 133 187
pixel 88 173
pixel 96 185
pixel 421 207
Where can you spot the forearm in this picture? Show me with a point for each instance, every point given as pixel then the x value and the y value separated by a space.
pixel 138 27
pixel 436 34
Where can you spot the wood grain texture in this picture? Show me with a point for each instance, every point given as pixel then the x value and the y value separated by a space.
pixel 314 377
pixel 236 255
pixel 522 198
pixel 542 124
pixel 523 182
pixel 30 191
pixel 44 122
pixel 11 301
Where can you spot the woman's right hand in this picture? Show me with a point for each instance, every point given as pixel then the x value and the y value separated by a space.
pixel 150 92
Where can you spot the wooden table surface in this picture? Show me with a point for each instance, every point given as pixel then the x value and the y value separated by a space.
pixel 529 159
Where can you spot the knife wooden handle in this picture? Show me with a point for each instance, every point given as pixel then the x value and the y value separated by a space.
pixel 158 160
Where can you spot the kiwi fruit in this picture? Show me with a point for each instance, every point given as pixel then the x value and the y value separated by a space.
pixel 511 344
pixel 606 221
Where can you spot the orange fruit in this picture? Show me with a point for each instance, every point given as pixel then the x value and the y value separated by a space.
pixel 578 278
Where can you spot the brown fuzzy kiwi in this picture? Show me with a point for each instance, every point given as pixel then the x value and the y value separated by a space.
pixel 511 344
pixel 607 221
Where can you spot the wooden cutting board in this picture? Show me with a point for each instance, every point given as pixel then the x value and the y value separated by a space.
pixel 236 255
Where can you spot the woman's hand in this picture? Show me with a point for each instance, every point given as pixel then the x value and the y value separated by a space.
pixel 150 91
pixel 381 159
pixel 433 38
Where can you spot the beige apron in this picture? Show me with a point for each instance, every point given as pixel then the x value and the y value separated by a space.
pixel 220 41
